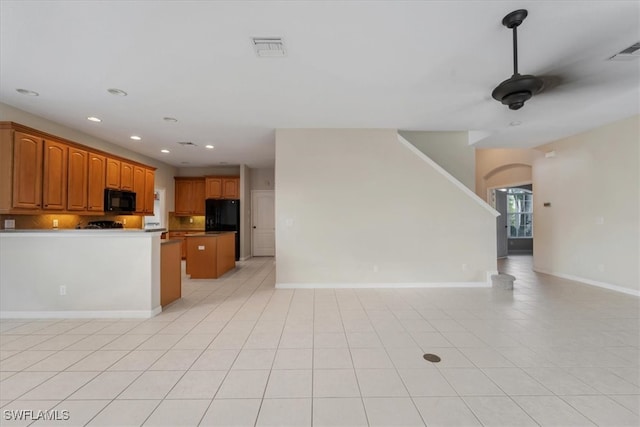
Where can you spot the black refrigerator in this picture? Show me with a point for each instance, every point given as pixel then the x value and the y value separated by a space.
pixel 224 215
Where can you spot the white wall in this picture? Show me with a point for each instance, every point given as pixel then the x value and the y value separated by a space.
pixel 164 173
pixel 450 150
pixel 358 207
pixel 106 273
pixel 591 231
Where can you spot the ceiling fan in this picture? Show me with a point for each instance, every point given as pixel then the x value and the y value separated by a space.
pixel 518 88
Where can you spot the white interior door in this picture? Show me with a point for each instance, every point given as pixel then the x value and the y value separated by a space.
pixel 263 231
pixel 501 223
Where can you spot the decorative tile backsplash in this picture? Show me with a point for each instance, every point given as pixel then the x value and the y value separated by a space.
pixel 195 222
pixel 44 222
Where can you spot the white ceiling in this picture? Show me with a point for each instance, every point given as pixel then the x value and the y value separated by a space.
pixel 411 65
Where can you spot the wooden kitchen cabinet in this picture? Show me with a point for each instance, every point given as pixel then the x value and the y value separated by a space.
pixel 96 182
pixel 230 188
pixel 27 171
pixel 41 173
pixel 138 188
pixel 77 180
pixel 149 191
pixel 113 174
pixel 126 176
pixel 189 196
pixel 213 188
pixel 54 175
pixel 180 235
pixel 220 187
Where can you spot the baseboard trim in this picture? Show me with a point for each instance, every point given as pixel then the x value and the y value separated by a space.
pixel 590 282
pixel 77 314
pixel 381 285
pixel 244 258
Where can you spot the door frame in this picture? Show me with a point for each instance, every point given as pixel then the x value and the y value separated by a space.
pixel 254 215
pixel 492 201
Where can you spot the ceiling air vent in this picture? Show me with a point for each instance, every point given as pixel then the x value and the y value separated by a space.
pixel 187 144
pixel 268 46
pixel 632 52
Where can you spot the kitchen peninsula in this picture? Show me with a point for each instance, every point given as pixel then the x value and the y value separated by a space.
pixel 80 273
pixel 210 254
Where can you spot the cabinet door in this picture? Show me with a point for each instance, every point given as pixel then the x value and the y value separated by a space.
pixel 198 198
pixel 126 176
pixel 183 193
pixel 27 171
pixel 138 187
pixel 213 188
pixel 230 188
pixel 77 180
pixel 96 182
pixel 113 174
pixel 54 182
pixel 149 191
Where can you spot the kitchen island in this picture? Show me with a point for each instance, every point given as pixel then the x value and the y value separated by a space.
pixel 80 273
pixel 210 254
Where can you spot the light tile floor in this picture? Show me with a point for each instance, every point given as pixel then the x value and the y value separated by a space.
pixel 236 351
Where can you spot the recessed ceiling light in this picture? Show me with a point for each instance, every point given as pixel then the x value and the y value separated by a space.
pixel 135 137
pixel 223 163
pixel 164 151
pixel 184 163
pixel 210 147
pixel 170 119
pixel 94 119
pixel 117 92
pixel 515 123
pixel 27 92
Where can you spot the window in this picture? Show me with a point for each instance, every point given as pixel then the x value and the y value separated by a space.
pixel 520 213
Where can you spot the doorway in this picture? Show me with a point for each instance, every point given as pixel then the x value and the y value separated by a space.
pixel 514 226
pixel 263 228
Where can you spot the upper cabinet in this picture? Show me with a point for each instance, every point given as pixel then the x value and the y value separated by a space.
pixel 222 187
pixel 77 179
pixel 41 173
pixel 189 196
pixel 96 182
pixel 113 174
pixel 54 178
pixel 143 182
pixel 27 171
pixel 126 176
pixel 230 188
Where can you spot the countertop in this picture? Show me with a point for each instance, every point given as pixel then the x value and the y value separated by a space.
pixel 84 231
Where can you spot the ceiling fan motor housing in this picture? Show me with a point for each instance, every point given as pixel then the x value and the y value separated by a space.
pixel 516 90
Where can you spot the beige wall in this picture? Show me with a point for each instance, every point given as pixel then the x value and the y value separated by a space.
pixel 450 150
pixel 164 173
pixel 263 179
pixel 591 231
pixel 502 167
pixel 245 211
pixel 359 207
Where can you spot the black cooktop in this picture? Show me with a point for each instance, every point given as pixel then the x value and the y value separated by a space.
pixel 98 225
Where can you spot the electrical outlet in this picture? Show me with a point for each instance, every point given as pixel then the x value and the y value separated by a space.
pixel 55 223
pixel 601 268
pixel 464 267
pixel 375 268
pixel 9 224
pixel 124 221
pixel 63 290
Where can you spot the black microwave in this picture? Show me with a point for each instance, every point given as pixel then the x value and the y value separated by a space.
pixel 119 201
